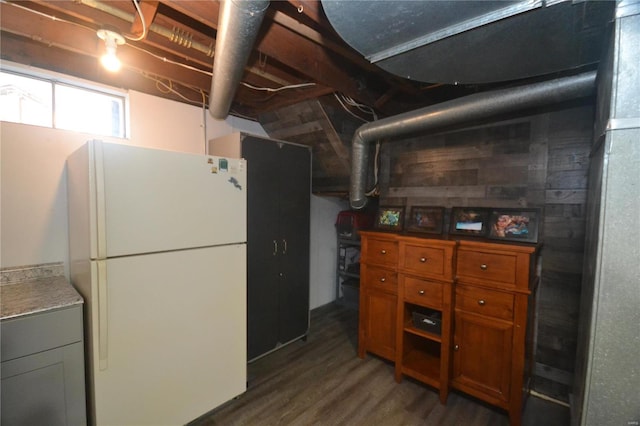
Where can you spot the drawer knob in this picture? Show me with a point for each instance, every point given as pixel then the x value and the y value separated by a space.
pixel 423 259
pixel 481 302
pixel 383 251
pixel 383 279
pixel 456 347
pixel 421 292
pixel 483 266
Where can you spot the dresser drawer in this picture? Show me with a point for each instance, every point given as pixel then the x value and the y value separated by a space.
pixel 481 265
pixel 427 261
pixel 380 279
pixel 424 293
pixel 486 302
pixel 382 252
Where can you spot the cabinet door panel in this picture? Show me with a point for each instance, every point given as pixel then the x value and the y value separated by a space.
pixel 262 245
pixel 482 358
pixel 380 323
pixel 294 212
pixel 45 388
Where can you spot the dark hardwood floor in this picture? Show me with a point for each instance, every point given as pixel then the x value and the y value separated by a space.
pixel 321 381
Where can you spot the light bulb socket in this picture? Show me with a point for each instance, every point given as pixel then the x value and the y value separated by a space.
pixel 111 37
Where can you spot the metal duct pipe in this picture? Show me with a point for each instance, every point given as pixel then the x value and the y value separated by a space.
pixel 174 35
pixel 238 26
pixel 458 111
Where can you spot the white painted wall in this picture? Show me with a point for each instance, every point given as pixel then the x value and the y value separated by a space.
pixel 33 197
pixel 323 261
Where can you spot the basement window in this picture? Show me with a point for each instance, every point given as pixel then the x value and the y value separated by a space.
pixel 39 101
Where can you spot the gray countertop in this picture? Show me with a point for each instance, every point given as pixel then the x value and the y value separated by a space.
pixel 35 293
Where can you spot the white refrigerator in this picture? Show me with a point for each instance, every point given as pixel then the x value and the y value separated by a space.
pixel 158 250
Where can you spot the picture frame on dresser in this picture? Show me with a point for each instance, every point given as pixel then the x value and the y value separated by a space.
pixel 514 225
pixel 390 218
pixel 469 221
pixel 426 219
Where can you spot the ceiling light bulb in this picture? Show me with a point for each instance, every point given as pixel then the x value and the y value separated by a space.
pixel 111 39
pixel 110 61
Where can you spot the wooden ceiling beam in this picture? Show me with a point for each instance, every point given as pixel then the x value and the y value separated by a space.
pixel 175 50
pixel 148 10
pixel 286 46
pixel 32 53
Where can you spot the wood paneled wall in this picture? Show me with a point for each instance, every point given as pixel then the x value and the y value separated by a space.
pixel 327 129
pixel 536 161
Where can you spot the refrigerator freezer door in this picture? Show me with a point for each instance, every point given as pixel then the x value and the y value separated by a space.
pixel 150 200
pixel 175 338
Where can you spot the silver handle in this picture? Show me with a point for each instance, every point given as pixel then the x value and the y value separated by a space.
pixel 383 251
pixel 275 247
pixel 423 259
pixel 284 246
pixel 483 267
pixel 383 279
pixel 421 292
pixel 481 302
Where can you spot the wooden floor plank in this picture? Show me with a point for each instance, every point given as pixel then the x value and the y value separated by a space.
pixel 321 381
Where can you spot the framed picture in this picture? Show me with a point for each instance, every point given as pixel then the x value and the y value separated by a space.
pixel 514 225
pixel 469 221
pixel 390 218
pixel 426 219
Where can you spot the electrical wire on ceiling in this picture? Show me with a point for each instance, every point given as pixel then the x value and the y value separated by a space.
pixel 45 15
pixel 346 101
pixel 170 61
pixel 160 85
pixel 142 20
pixel 277 89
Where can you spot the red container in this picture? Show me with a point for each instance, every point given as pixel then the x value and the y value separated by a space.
pixel 350 222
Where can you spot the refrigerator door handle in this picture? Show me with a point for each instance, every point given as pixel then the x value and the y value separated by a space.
pixel 100 200
pixel 103 315
pixel 275 247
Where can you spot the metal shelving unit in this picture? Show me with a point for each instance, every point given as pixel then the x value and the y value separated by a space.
pixel 348 272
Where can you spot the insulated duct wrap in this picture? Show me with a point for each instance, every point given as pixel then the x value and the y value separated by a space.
pixel 459 111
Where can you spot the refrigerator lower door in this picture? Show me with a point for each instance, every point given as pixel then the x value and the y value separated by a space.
pixel 169 344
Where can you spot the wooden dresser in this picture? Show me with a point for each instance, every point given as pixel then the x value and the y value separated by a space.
pixel 480 296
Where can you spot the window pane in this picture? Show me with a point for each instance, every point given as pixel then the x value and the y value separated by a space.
pixel 90 112
pixel 25 100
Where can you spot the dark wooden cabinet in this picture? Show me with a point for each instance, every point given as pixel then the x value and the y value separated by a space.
pixel 278 211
